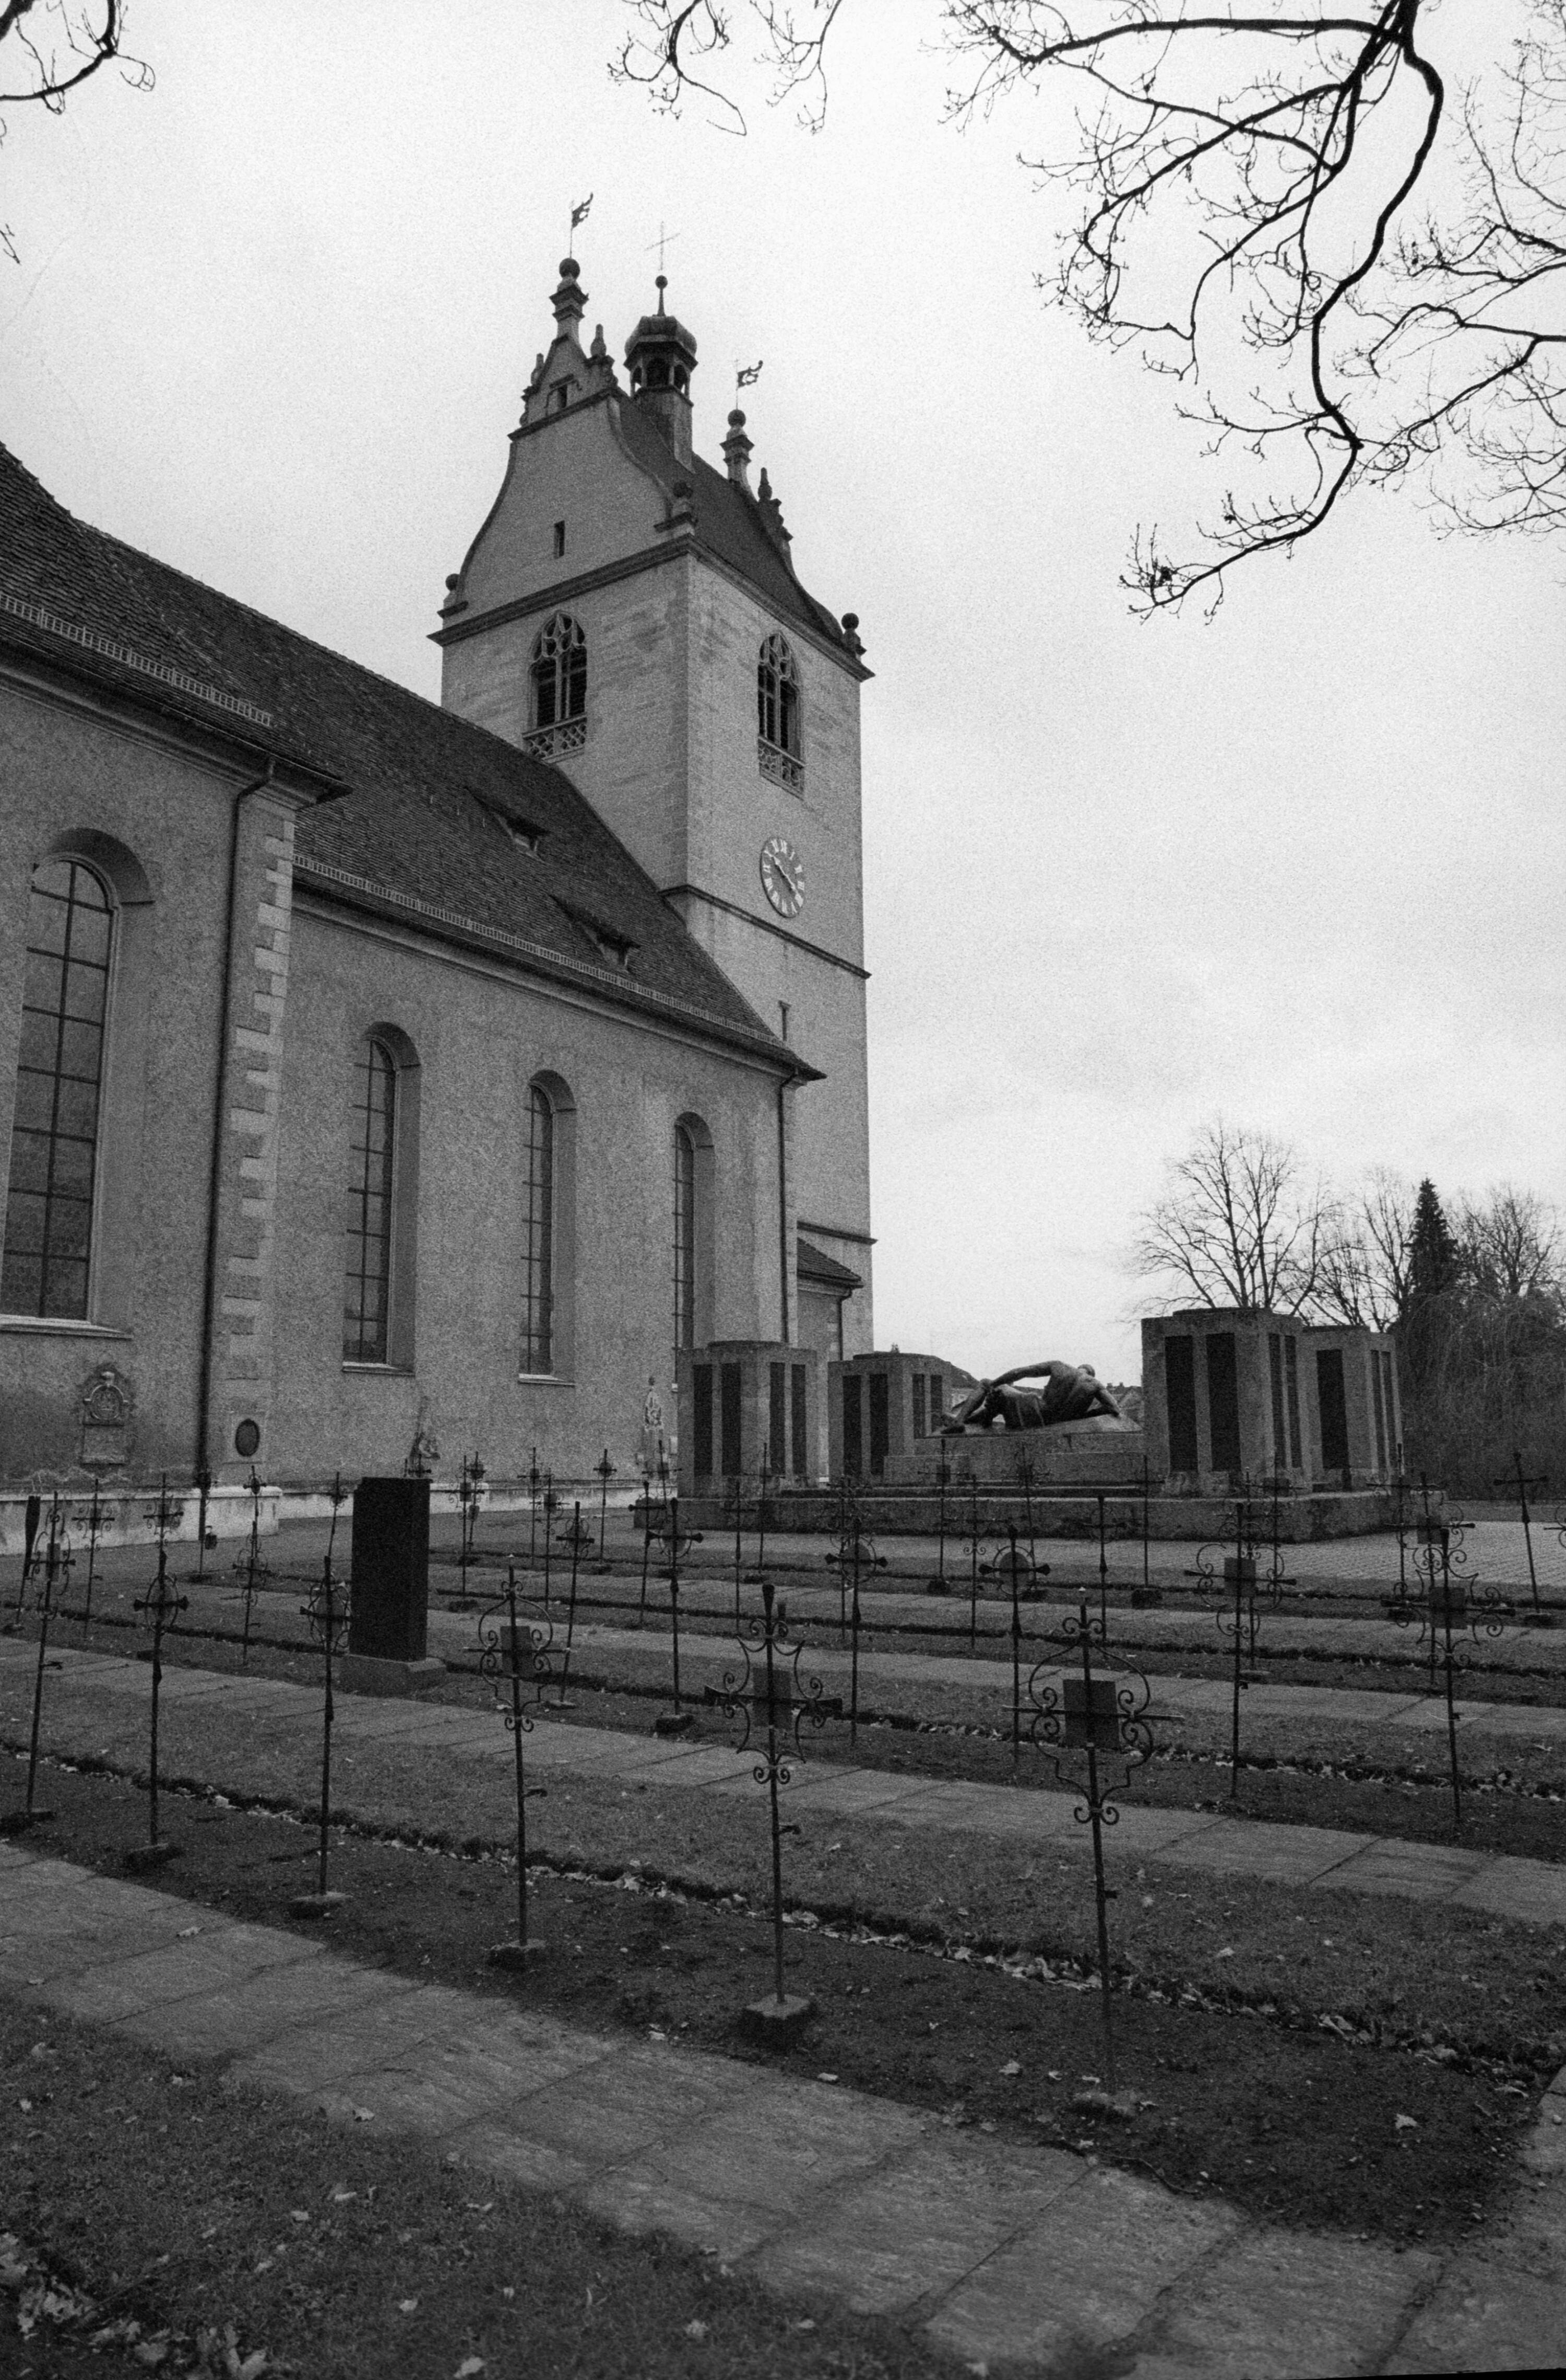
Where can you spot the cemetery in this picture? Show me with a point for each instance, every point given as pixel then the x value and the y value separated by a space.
pixel 563 1808
pixel 1226 1864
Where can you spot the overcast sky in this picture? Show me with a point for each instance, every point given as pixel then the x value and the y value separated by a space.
pixel 272 320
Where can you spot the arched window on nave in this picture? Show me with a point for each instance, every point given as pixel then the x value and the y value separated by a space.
pixel 46 1254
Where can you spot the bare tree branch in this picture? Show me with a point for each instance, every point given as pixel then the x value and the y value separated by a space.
pixel 64 43
pixel 1273 152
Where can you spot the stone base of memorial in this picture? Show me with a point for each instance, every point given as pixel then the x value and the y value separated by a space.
pixel 316 1904
pixel 1119 2105
pixel 368 1674
pixel 20 1822
pixel 517 1956
pixel 777 2023
pixel 674 1723
pixel 141 1856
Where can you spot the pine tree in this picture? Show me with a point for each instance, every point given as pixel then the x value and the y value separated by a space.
pixel 1435 1264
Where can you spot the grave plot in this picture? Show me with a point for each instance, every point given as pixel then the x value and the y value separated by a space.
pixel 1272 2026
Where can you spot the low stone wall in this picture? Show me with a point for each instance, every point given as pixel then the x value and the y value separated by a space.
pixel 127 1515
pixel 894 1511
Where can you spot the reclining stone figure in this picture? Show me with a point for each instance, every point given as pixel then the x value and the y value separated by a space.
pixel 1068 1392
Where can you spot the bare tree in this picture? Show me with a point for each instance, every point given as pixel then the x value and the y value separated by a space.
pixel 1239 1224
pixel 1511 1246
pixel 48 47
pixel 1367 1266
pixel 1244 178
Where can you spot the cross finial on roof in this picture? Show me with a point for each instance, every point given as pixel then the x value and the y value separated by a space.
pixel 664 239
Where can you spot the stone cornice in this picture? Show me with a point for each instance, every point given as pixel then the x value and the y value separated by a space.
pixel 630 565
pixel 605 983
pixel 765 926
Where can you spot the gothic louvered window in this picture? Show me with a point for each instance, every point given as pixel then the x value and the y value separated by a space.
pixel 685 1237
pixel 371 1185
pixel 48 1233
pixel 777 698
pixel 559 672
pixel 538 1289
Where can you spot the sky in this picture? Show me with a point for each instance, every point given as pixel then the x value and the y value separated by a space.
pixel 1301 866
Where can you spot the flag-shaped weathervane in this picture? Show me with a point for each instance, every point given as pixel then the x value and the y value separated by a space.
pixel 745 375
pixel 579 214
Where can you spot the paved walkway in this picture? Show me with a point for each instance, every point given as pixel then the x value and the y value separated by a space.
pixel 704 1658
pixel 996 2251
pixel 262 1734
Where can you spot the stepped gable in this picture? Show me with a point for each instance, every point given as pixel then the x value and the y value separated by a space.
pixel 430 809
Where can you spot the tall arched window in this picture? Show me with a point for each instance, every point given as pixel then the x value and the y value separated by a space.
pixel 685 1236
pixel 372 1205
pixel 538 1284
pixel 46 1257
pixel 694 1249
pixel 777 697
pixel 559 672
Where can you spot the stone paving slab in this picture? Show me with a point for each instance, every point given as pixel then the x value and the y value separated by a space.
pixel 1091 2275
pixel 272 2001
pixel 1530 1891
pixel 1257 1847
pixel 920 2225
pixel 1264 2306
pixel 1435 1872
pixel 212 1961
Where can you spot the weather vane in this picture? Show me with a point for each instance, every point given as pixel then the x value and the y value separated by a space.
pixel 745 374
pixel 578 215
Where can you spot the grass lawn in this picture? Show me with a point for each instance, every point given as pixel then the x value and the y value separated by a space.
pixel 1303 1769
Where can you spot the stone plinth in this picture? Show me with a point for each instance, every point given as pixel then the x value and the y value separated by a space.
pixel 885 1410
pixel 746 1402
pixel 1232 1395
pixel 1099 1451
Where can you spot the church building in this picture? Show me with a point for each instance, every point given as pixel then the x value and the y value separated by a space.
pixel 375 1070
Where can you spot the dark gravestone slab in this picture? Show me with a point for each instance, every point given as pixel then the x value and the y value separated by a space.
pixel 390 1611
pixel 1333 1402
pixel 1180 1377
pixel 1224 1400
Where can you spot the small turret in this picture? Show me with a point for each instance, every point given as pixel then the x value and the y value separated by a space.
pixel 661 358
pixel 736 451
pixel 565 376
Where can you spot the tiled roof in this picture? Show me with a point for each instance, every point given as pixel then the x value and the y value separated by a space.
pixel 729 524
pixel 426 795
pixel 816 1265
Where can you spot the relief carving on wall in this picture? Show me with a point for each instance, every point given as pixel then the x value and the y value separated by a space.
pixel 106 1409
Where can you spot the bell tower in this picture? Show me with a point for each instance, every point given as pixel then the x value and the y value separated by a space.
pixel 713 720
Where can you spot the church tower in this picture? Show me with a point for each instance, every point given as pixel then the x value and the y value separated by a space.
pixel 632 613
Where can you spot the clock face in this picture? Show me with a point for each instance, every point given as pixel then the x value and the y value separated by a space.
pixel 782 876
